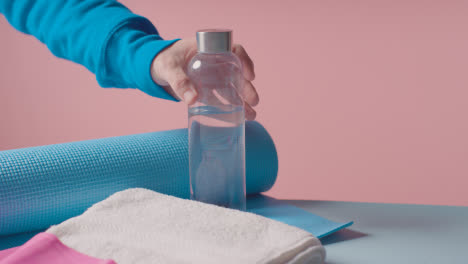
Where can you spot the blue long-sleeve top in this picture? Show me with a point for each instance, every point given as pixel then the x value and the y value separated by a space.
pixel 103 35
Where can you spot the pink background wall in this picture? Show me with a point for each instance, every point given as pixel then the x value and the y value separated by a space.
pixel 366 100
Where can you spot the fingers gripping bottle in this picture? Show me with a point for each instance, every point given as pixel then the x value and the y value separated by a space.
pixel 217 123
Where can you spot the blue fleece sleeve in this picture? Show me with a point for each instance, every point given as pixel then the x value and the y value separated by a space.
pixel 102 35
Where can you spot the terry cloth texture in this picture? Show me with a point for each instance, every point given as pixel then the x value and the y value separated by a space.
pixel 142 226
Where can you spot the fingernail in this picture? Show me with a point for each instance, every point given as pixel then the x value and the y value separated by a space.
pixel 189 96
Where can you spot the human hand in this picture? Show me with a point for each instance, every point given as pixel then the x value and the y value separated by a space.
pixel 168 70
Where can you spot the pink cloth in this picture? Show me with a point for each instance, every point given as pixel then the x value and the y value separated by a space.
pixel 45 248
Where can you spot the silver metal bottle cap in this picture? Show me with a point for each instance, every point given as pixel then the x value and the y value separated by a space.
pixel 214 40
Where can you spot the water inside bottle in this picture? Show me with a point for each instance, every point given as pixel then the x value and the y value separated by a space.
pixel 217 155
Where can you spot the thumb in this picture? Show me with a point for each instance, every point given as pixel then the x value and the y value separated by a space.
pixel 182 86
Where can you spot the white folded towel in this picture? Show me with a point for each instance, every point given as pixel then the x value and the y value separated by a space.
pixel 142 226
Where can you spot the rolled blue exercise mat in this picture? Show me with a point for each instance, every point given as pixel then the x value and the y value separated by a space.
pixel 43 186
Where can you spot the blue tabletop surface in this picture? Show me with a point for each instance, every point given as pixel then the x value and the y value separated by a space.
pixel 394 233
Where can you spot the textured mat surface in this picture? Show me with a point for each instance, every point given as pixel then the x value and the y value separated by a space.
pixel 46 185
pixel 281 211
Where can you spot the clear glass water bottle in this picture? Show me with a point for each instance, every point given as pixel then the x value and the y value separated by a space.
pixel 217 123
